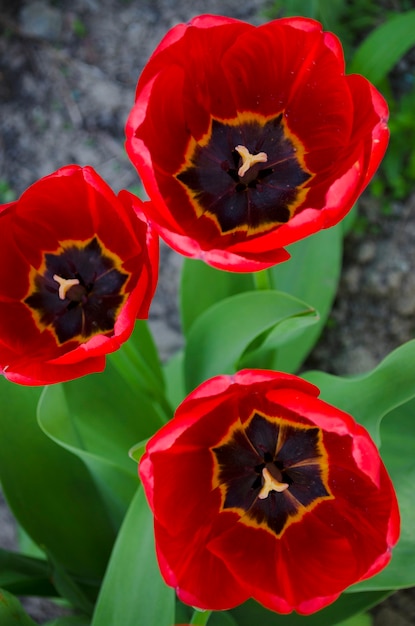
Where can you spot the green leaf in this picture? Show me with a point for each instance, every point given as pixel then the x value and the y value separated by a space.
pixel 371 396
pixel 397 432
pixel 211 286
pixel 384 47
pixel 221 618
pixel 312 275
pixel 49 490
pixel 174 376
pixel 70 620
pixel 137 451
pixel 81 596
pixel 11 611
pixel 363 619
pixel 137 368
pixel 100 417
pixel 25 575
pixel 347 605
pixel 133 591
pixel 223 333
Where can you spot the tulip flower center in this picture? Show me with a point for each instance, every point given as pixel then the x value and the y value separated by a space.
pixel 271 471
pixel 78 291
pixel 246 174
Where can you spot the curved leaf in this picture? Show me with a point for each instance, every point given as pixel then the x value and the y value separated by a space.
pixel 133 591
pixel 222 334
pixel 12 612
pixel 211 286
pixel 384 47
pixel 371 396
pixel 24 575
pixel 99 419
pixel 49 490
pixel 312 275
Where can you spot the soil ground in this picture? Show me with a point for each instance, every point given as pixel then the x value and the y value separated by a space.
pixel 68 71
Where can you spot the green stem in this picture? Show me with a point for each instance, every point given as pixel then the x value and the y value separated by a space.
pixel 262 280
pixel 200 618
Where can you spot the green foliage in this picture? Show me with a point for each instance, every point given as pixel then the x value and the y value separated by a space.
pixel 348 19
pixel 79 28
pixel 7 194
pixel 246 324
pixel 24 575
pixel 265 328
pixel 133 591
pixel 100 417
pixel 12 612
pixel 50 490
pixel 398 167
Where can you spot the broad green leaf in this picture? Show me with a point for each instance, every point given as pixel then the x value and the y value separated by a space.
pixel 330 13
pixel 49 490
pixel 138 364
pixel 362 619
pixel 211 285
pixel 174 376
pixel 96 419
pixel 306 8
pixel 346 606
pixel 12 612
pixel 222 334
pixel 384 47
pixel 279 339
pixel 221 618
pixel 79 595
pixel 397 432
pixel 23 575
pixel 98 436
pixel 136 452
pixel 312 275
pixel 371 396
pixel 70 620
pixel 133 591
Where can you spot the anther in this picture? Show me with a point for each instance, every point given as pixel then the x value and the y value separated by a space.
pixel 64 284
pixel 270 484
pixel 248 159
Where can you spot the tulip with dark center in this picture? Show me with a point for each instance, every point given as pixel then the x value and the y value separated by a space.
pixel 261 490
pixel 250 138
pixel 85 266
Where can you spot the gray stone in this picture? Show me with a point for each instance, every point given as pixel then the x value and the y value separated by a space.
pixel 38 19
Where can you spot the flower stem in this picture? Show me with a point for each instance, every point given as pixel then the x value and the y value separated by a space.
pixel 200 618
pixel 262 280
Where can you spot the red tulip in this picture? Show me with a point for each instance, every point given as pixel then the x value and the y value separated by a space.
pixel 261 490
pixel 250 138
pixel 78 265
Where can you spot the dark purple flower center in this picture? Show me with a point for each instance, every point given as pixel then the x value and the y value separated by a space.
pixel 272 472
pixel 246 176
pixel 78 292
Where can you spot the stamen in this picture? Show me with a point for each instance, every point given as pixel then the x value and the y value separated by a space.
pixel 65 284
pixel 248 159
pixel 270 484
